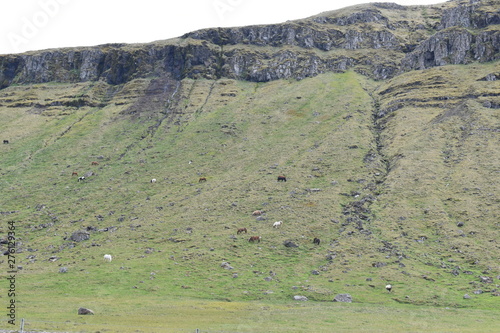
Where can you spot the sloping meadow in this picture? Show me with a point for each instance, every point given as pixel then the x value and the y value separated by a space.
pixel 397 180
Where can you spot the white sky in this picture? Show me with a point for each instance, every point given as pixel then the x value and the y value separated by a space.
pixel 40 24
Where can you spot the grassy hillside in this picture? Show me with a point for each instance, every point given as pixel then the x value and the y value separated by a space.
pixel 398 179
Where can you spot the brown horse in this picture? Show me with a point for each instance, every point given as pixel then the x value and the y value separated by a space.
pixel 281 178
pixel 202 179
pixel 74 173
pixel 94 163
pixel 257 213
pixel 254 239
pixel 241 230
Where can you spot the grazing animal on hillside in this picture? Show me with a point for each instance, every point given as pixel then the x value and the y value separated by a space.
pixel 388 287
pixel 241 230
pixel 277 224
pixel 281 178
pixel 153 180
pixel 257 213
pixel 74 173
pixel 316 241
pixel 81 179
pixel 108 257
pixel 254 239
pixel 202 179
pixel 94 163
pixel 5 142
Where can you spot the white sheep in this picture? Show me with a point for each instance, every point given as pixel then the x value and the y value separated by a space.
pixel 108 257
pixel 277 224
pixel 153 180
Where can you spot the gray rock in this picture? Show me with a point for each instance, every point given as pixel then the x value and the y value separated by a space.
pixel 85 311
pixel 226 265
pixel 300 298
pixel 379 264
pixel 345 298
pixel 289 243
pixel 79 236
pixel 457 46
pixel 491 77
pixel 88 174
pixel 486 279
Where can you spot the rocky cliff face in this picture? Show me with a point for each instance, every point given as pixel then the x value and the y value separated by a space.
pixel 379 40
pixel 115 64
pixel 456 42
pixel 454 45
pixel 475 14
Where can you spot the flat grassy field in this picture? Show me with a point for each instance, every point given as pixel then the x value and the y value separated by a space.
pixel 158 314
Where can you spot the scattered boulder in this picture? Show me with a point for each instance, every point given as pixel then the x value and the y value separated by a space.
pixel 84 311
pixel 379 264
pixel 466 296
pixel 226 265
pixel 89 174
pixel 486 279
pixel 330 257
pixel 79 236
pixel 345 298
pixel 110 229
pixel 289 243
pixel 300 298
pixel 63 270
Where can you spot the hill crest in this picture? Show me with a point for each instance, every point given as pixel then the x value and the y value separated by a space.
pixel 379 40
pixel 394 169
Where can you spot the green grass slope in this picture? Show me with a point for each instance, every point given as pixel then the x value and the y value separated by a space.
pixel 398 179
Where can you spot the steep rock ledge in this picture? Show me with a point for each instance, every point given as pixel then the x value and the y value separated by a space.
pixel 115 64
pixel 377 40
pixel 303 35
pixel 475 14
pixel 454 46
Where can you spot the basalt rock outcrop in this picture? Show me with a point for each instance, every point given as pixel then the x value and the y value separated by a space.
pixel 379 40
